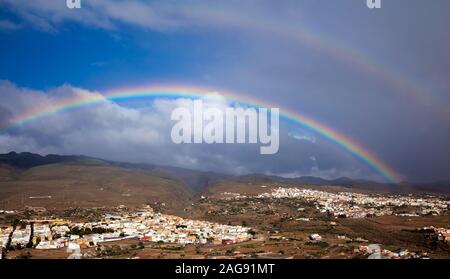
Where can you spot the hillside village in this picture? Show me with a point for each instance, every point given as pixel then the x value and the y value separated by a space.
pixel 82 230
pixel 144 224
pixel 357 205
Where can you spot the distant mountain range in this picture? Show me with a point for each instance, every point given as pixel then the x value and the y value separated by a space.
pixel 198 181
pixel 28 160
pixel 195 179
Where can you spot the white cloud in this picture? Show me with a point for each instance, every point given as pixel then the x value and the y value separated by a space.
pixel 296 136
pixel 47 15
pixel 99 130
pixel 123 132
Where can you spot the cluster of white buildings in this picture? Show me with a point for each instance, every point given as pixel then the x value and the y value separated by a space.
pixel 4 236
pixel 232 196
pixel 357 205
pixel 2 211
pixel 144 224
pixel 374 251
pixel 21 236
pixel 157 227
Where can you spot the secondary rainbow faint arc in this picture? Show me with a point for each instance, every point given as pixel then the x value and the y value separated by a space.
pixel 339 51
pixel 173 92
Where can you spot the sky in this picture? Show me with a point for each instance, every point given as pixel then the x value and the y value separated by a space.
pixel 378 76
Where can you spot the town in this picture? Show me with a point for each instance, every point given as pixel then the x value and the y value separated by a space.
pixel 144 224
pixel 357 205
pixel 270 222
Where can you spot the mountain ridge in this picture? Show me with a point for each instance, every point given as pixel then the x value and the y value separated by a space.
pixel 197 180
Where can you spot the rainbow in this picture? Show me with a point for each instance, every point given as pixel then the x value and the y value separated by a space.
pixel 339 51
pixel 191 92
